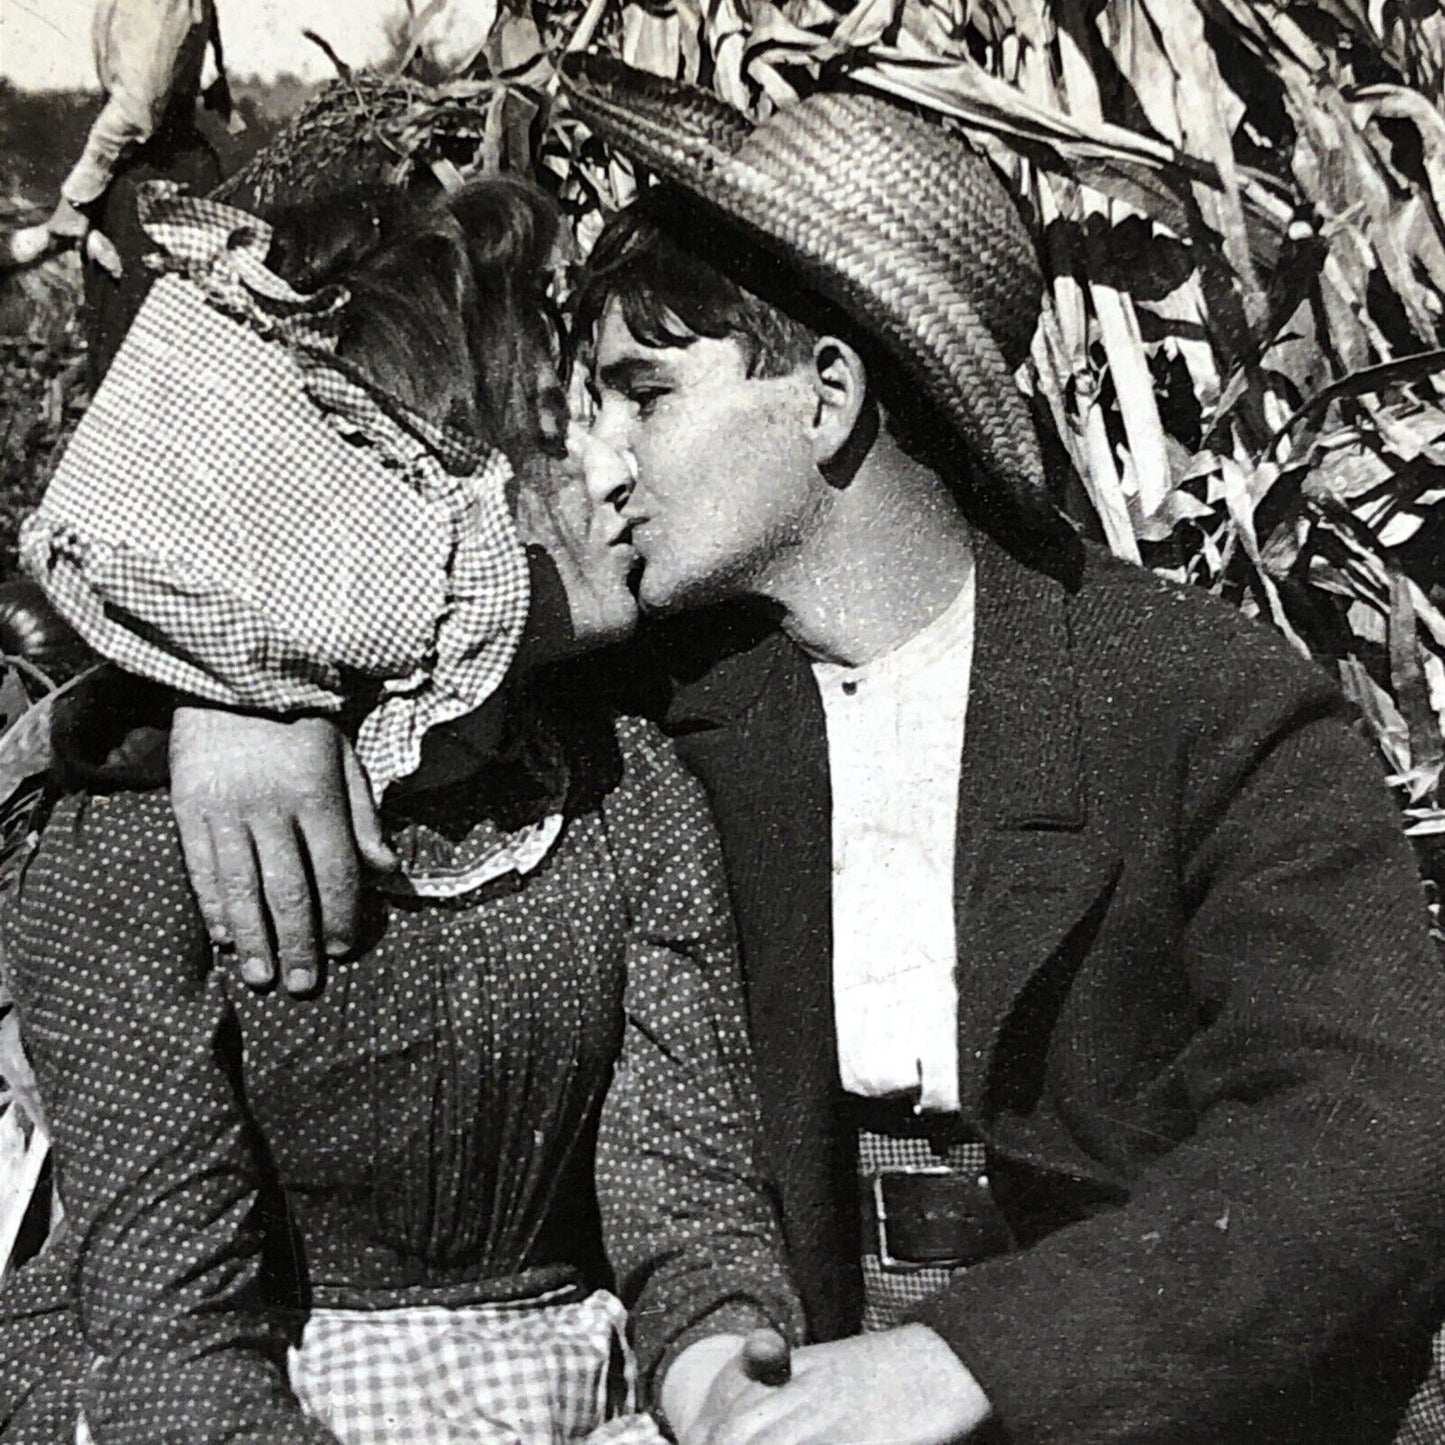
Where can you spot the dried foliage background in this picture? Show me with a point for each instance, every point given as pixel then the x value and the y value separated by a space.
pixel 1240 205
pixel 1241 209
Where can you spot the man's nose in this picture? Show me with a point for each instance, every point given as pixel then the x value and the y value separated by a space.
pixel 606 471
pixel 609 424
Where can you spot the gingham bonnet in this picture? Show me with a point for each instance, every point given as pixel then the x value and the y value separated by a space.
pixel 239 518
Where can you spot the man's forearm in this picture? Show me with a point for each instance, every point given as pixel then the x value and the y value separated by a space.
pixel 115 128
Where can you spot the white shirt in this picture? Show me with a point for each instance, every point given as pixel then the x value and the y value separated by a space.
pixel 895 745
pixel 147 53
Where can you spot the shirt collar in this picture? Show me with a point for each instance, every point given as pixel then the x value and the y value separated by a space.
pixel 947 634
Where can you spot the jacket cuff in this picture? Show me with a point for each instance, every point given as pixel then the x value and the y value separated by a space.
pixel 970 1324
pixel 732 1317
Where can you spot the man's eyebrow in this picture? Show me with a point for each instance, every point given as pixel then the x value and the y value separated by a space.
pixel 619 375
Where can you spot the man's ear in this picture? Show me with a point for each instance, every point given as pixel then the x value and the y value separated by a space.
pixel 840 385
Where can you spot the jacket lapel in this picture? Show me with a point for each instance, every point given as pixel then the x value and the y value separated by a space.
pixel 754 732
pixel 783 882
pixel 1028 866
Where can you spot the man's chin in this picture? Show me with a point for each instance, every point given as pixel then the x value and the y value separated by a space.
pixel 656 596
pixel 662 593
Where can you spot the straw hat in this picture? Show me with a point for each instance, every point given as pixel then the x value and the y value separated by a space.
pixel 892 219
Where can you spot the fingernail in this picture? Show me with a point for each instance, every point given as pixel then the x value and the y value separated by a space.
pixel 337 948
pixel 300 980
pixel 255 971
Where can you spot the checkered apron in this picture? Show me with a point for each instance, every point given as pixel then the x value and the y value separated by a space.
pixel 238 516
pixel 1424 1422
pixel 533 1372
pixel 888 1294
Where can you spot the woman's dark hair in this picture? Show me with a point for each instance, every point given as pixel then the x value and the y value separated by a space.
pixel 448 312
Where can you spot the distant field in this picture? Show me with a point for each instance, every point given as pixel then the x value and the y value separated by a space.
pixel 41 134
pixel 41 388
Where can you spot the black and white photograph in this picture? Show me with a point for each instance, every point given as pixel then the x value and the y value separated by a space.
pixel 722 722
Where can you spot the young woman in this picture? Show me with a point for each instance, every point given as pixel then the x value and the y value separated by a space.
pixel 395 1209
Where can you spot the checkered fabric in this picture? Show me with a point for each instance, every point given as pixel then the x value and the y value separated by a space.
pixel 240 518
pixel 888 1294
pixel 1424 1422
pixel 533 1373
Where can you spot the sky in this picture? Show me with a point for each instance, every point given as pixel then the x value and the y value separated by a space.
pixel 45 44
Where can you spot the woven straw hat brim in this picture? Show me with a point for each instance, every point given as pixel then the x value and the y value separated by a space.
pixel 838 184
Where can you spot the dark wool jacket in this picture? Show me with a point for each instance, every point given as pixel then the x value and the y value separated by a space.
pixel 1202 1029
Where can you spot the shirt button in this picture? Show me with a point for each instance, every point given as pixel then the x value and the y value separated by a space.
pixel 849 688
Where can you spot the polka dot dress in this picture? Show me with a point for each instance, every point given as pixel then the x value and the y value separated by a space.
pixel 544 1082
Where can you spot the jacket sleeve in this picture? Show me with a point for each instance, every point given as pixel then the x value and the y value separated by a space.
pixel 1271 1276
pixel 688 1221
pixel 135 1050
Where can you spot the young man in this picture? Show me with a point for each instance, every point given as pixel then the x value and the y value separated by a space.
pixel 1098 1040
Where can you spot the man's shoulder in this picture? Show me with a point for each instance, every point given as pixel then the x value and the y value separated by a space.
pixel 1126 617
pixel 714 664
pixel 1126 626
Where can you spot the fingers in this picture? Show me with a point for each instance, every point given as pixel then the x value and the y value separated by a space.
pixel 240 888
pixel 336 873
pixel 200 855
pixel 266 808
pixel 367 836
pixel 288 900
pixel 767 1358
pixel 29 244
pixel 786 1416
pixel 101 250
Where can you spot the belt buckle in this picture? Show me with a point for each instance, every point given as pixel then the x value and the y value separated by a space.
pixel 880 1213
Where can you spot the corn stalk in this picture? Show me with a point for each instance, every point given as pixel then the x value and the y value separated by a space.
pixel 1239 208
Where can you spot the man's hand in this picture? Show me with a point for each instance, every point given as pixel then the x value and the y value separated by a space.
pixel 65 226
pixel 897 1387
pixel 68 222
pixel 100 249
pixel 715 1377
pixel 276 821
pixel 70 225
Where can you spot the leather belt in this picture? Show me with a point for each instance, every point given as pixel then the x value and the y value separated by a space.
pixel 930 1217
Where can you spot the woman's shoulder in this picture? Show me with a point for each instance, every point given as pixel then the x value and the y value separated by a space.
pixel 657 805
pixel 104 869
pixel 80 825
pixel 649 760
pixel 100 923
pixel 643 744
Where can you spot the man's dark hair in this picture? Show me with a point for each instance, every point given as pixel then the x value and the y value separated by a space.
pixel 678 274
pixel 671 292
